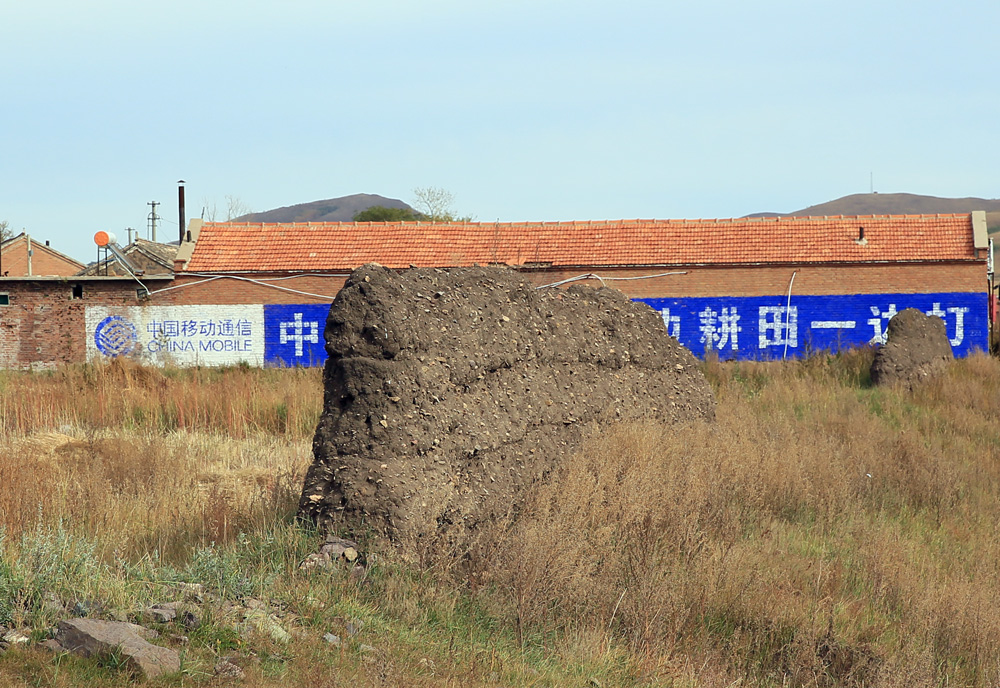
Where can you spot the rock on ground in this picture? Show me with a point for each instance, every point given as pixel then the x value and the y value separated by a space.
pixel 916 349
pixel 449 391
pixel 90 637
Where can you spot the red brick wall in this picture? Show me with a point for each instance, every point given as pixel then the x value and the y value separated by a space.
pixel 190 290
pixel 698 281
pixel 44 326
pixel 764 281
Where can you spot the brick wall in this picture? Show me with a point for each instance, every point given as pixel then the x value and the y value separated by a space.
pixel 45 325
pixel 967 276
pixel 265 288
pixel 764 281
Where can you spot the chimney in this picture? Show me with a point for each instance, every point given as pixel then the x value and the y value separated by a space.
pixel 180 209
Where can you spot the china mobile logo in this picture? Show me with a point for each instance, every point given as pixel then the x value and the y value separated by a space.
pixel 115 336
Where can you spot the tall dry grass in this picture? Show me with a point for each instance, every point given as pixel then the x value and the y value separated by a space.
pixel 239 401
pixel 154 461
pixel 821 532
pixel 145 494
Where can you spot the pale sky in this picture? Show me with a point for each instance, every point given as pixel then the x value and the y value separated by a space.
pixel 544 110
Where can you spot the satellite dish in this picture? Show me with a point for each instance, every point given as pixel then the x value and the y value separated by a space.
pixel 102 239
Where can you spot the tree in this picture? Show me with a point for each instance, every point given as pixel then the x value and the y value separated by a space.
pixel 235 207
pixel 5 231
pixel 435 204
pixel 380 213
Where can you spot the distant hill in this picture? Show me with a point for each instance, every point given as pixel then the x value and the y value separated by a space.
pixel 340 209
pixel 898 204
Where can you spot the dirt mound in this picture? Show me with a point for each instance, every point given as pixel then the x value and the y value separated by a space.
pixel 448 392
pixel 916 348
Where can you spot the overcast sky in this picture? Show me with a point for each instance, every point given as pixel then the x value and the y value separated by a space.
pixel 540 110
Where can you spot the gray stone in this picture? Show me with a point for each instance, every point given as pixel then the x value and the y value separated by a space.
pixel 163 613
pixel 16 637
pixel 52 645
pixel 415 383
pixel 94 637
pixel 266 624
pixel 336 547
pixel 316 560
pixel 190 620
pixel 916 349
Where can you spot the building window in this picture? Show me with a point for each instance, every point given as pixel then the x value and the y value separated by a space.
pixel 77 291
pixel 4 299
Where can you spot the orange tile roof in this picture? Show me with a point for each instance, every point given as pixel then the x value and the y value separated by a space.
pixel 241 247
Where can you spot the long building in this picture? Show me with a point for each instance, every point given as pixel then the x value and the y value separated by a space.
pixel 766 288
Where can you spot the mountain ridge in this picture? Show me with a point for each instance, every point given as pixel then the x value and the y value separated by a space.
pixel 897 204
pixel 342 209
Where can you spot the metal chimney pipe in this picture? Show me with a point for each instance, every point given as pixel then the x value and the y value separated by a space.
pixel 180 209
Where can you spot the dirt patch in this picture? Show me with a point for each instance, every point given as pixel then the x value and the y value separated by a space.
pixel 916 349
pixel 448 392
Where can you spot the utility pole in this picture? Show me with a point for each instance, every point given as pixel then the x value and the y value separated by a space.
pixel 153 217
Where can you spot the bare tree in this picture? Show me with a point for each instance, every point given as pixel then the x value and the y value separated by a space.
pixel 235 207
pixel 209 210
pixel 435 204
pixel 5 231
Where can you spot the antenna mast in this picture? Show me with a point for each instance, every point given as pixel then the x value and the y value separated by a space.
pixel 152 218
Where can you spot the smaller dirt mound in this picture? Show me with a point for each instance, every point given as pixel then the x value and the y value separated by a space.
pixel 917 348
pixel 449 392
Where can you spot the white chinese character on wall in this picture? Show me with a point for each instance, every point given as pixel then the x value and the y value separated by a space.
pixel 881 333
pixel 778 326
pixel 672 323
pixel 959 314
pixel 719 329
pixel 295 331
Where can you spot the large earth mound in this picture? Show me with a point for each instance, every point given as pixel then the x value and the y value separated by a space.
pixel 448 392
pixel 916 349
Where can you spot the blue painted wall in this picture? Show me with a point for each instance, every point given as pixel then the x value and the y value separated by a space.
pixel 293 335
pixel 737 327
pixel 771 327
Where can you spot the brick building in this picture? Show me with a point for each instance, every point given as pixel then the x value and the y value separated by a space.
pixel 43 319
pixel 22 256
pixel 746 288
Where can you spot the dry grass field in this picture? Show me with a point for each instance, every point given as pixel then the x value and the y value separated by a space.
pixel 821 532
